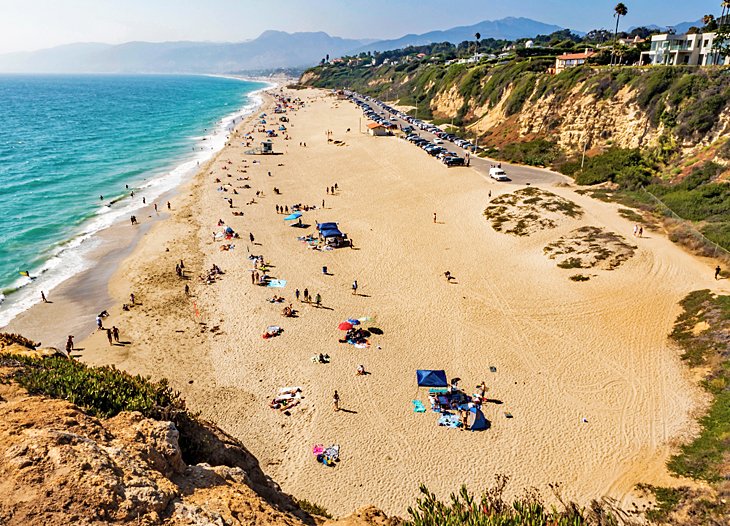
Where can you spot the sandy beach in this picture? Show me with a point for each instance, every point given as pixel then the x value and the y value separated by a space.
pixel 596 394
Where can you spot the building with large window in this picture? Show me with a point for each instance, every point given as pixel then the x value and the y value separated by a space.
pixel 695 49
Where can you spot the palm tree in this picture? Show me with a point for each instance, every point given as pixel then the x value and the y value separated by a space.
pixel 618 11
pixel 477 36
pixel 722 28
pixel 709 21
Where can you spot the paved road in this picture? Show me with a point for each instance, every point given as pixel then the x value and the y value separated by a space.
pixel 518 174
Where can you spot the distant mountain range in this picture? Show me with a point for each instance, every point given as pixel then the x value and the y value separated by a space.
pixel 680 28
pixel 507 28
pixel 271 50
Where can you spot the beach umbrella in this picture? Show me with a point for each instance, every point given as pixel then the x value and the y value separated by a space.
pixel 292 217
pixel 345 326
pixel 353 321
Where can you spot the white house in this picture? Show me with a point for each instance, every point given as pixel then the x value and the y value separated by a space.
pixel 676 50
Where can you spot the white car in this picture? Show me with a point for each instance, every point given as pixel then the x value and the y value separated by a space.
pixel 436 140
pixel 498 174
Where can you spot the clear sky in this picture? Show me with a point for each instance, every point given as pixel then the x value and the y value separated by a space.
pixel 35 24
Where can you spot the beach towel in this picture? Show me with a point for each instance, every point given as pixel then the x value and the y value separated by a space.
pixel 276 283
pixel 438 390
pixel 418 407
pixel 449 420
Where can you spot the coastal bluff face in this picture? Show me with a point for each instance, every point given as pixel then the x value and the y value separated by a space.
pixel 60 466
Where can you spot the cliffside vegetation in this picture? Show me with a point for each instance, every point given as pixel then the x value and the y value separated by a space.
pixel 702 332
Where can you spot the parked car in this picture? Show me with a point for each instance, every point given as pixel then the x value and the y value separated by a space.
pixel 453 161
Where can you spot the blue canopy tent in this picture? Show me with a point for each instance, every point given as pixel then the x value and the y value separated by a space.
pixel 327 226
pixel 431 378
pixel 480 421
pixel 292 217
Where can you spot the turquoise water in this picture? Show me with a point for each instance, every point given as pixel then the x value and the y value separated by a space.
pixel 67 140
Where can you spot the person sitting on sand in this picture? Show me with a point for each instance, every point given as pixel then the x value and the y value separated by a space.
pixel 360 370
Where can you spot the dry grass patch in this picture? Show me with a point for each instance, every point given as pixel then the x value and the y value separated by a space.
pixel 529 210
pixel 590 247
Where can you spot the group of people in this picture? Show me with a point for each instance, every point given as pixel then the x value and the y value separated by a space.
pixel 210 276
pixel 307 298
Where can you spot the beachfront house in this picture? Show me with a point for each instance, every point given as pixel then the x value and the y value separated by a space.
pixel 694 49
pixel 377 130
pixel 571 60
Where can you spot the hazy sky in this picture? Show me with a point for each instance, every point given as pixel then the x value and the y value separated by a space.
pixel 35 24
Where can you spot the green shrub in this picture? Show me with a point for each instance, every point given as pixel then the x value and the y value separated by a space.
pixel 491 510
pixel 101 391
pixel 624 167
pixel 539 152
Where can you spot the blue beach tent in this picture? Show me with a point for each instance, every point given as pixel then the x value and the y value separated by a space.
pixel 480 422
pixel 431 378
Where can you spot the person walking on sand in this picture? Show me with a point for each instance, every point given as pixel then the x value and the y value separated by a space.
pixel 70 344
pixel 354 287
pixel 187 289
pixel 636 230
pixel 115 333
pixel 336 401
pixel 327 190
pixel 318 300
pixel 306 295
pixel 434 217
pixel 155 207
pixel 717 272
pixel 109 336
pixel 168 205
pixel 43 297
pixel 131 299
pixel 641 231
pixel 296 293
pixel 250 236
pixel 99 324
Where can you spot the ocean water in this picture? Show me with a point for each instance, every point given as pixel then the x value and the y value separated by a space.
pixel 66 141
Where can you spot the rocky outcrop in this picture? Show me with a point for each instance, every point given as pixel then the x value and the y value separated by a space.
pixel 60 466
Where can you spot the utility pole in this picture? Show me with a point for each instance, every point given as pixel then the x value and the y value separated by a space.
pixel 585 147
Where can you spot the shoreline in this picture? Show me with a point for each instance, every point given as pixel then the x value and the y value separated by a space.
pixel 92 243
pixel 518 312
